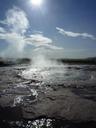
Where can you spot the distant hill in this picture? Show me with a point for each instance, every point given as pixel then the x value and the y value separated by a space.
pixel 78 61
pixel 23 61
pixel 8 61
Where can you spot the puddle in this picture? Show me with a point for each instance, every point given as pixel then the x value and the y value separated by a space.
pixel 23 99
pixel 17 100
pixel 34 92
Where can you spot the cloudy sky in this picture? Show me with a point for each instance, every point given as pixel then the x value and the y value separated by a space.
pixel 58 28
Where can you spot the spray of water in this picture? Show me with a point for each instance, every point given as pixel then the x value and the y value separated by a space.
pixel 42 68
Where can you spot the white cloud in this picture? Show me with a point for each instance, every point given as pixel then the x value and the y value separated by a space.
pixel 14 32
pixel 2 30
pixel 54 47
pixel 73 34
pixel 21 40
pixel 37 32
pixel 38 40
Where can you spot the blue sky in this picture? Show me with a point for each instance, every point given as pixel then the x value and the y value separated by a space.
pixel 61 28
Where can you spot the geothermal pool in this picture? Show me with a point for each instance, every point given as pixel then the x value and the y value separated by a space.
pixel 26 80
pixel 30 86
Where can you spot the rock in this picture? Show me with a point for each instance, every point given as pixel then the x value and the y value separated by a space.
pixel 8 113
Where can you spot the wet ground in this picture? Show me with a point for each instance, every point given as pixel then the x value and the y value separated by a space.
pixel 64 95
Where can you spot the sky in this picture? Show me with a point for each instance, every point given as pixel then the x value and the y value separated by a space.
pixel 56 28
